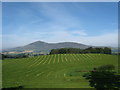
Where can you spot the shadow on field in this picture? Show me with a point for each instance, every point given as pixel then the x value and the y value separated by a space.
pixel 14 88
pixel 21 88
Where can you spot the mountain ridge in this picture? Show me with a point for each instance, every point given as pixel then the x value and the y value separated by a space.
pixel 40 46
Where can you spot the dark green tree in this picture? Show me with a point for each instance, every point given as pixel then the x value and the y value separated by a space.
pixel 107 50
pixel 98 50
pixel 103 78
pixel 2 56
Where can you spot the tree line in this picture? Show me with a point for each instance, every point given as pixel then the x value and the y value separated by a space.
pixel 20 55
pixel 104 50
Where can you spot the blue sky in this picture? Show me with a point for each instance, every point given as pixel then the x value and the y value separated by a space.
pixel 91 23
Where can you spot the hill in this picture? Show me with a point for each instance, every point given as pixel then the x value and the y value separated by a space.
pixel 44 48
pixel 40 46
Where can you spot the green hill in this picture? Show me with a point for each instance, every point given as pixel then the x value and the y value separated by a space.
pixel 53 71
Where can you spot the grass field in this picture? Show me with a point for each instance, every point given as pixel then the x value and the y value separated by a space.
pixel 53 71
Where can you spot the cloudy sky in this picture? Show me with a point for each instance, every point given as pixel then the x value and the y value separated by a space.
pixel 91 23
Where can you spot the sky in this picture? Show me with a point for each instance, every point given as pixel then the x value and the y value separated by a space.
pixel 90 23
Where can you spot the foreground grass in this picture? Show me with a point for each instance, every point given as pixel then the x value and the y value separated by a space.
pixel 53 71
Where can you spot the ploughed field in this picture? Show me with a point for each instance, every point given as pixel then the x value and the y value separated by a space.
pixel 52 71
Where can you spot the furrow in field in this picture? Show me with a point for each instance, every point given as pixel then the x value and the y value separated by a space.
pixel 50 59
pixel 62 58
pixel 73 56
pixel 36 72
pixel 39 74
pixel 59 73
pixel 66 58
pixel 27 74
pixel 69 58
pixel 49 73
pixel 80 58
pixel 44 61
pixel 36 61
pixel 30 71
pixel 33 60
pixel 88 58
pixel 58 58
pixel 89 55
pixel 54 59
pixel 40 62
pixel 30 60
pixel 91 58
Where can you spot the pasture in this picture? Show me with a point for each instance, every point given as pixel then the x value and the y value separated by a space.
pixel 53 71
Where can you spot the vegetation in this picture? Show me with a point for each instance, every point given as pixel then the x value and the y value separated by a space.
pixel 103 78
pixel 104 50
pixel 22 55
pixel 53 71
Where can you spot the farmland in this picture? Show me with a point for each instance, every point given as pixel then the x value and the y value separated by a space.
pixel 53 71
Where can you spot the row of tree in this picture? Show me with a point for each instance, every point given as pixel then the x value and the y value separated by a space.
pixel 104 50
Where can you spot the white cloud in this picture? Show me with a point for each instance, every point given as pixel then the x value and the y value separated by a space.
pixel 110 39
pixel 79 32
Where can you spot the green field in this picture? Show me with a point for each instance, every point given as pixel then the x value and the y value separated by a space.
pixel 53 71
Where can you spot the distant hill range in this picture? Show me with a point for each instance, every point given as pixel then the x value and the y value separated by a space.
pixel 43 47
